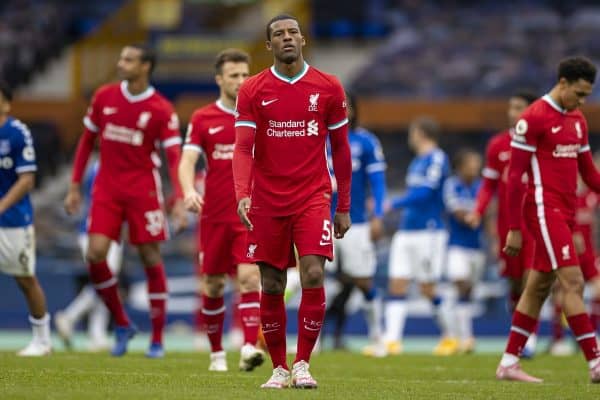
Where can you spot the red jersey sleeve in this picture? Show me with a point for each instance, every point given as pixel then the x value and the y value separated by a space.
pixel 193 136
pixel 585 162
pixel 491 175
pixel 337 115
pixel 92 117
pixel 169 133
pixel 246 115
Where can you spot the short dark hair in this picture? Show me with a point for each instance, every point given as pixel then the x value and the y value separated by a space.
pixel 528 95
pixel 461 155
pixel 279 17
pixel 428 125
pixel 230 55
pixel 6 91
pixel 575 68
pixel 148 55
pixel 351 100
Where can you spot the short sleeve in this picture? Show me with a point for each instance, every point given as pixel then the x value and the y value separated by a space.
pixel 374 159
pixel 582 132
pixel 493 165
pixel 22 148
pixel 527 132
pixel 193 136
pixel 337 115
pixel 92 117
pixel 246 116
pixel 169 130
pixel 451 199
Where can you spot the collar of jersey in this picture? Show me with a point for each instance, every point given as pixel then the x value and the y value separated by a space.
pixel 226 109
pixel 136 97
pixel 293 79
pixel 548 99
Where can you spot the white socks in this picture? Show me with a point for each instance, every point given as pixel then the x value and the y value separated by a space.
pixel 82 304
pixel 41 329
pixel 395 318
pixel 508 360
pixel 373 312
pixel 464 320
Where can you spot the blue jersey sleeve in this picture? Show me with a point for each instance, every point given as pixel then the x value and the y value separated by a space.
pixel 437 171
pixel 22 148
pixel 413 196
pixel 375 166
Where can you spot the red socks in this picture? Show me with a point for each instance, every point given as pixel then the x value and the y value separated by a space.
pixel 273 320
pixel 522 326
pixel 310 320
pixel 106 287
pixel 157 294
pixel 584 334
pixel 249 309
pixel 213 315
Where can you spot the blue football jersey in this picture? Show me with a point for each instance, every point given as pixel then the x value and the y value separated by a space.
pixel 16 156
pixel 422 204
pixel 368 174
pixel 458 196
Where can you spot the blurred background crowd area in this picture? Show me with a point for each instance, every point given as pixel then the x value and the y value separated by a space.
pixel 457 61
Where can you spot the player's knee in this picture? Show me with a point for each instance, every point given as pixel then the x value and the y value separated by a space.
pixel 573 285
pixel 214 286
pixel 150 257
pixel 273 286
pixel 250 282
pixel 26 283
pixel 95 255
pixel 313 276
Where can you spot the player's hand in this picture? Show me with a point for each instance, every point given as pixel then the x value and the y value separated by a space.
pixel 193 202
pixel 514 243
pixel 179 216
pixel 243 209
pixel 376 227
pixel 73 200
pixel 341 224
pixel 472 219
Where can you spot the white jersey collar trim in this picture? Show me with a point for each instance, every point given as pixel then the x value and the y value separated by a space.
pixel 548 99
pixel 293 79
pixel 133 98
pixel 224 108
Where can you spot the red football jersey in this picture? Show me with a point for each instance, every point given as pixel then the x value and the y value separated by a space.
pixel 292 118
pixel 556 138
pixel 587 203
pixel 211 130
pixel 130 128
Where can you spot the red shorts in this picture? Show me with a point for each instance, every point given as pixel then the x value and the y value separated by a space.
pixel 223 247
pixel 273 238
pixel 144 215
pixel 589 265
pixel 553 234
pixel 514 267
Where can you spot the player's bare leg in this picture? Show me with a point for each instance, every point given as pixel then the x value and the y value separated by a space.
pixel 273 322
pixel 106 286
pixel 213 315
pixel 249 307
pixel 395 314
pixel 373 310
pixel 311 314
pixel 559 345
pixel 156 279
pixel 595 302
pixel 524 323
pixel 40 320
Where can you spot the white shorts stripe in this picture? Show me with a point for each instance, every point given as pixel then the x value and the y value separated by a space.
pixel 213 312
pixel 106 284
pixel 520 331
pixel 249 305
pixel 586 336
pixel 539 201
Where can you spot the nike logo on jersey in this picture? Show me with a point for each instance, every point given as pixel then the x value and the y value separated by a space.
pixel 555 129
pixel 109 110
pixel 267 102
pixel 215 129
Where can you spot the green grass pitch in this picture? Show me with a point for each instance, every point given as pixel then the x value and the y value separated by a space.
pixel 340 375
